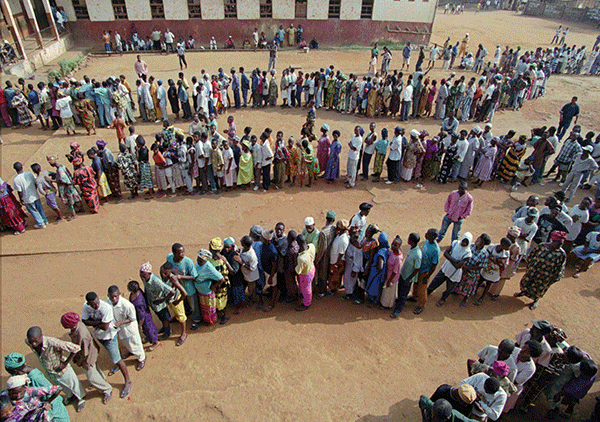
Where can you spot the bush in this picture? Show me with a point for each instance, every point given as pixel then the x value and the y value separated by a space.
pixel 65 67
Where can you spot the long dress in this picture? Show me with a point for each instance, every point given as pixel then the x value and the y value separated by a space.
pixel 332 168
pixel 19 102
pixel 66 191
pixel 447 163
pixel 329 93
pixel 323 151
pixel 86 112
pixel 544 268
pixel 511 162
pixel 85 177
pixel 127 167
pixel 11 213
pixel 293 161
pixel 427 169
pixel 145 169
pixel 376 279
pixel 467 286
pixel 371 102
pixel 245 170
pixel 388 294
pixel 483 171
pixel 312 164
pixel 231 177
pixel 143 314
pixel 413 150
pixel 156 101
pixel 380 152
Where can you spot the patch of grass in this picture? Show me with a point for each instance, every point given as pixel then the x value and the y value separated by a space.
pixel 65 67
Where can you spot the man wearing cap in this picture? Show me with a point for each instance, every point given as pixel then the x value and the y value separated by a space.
pixel 50 352
pixel 87 356
pixel 461 398
pixel 310 233
pixel 458 206
pixel 322 261
pixel 359 220
pixel 462 147
pixel 582 164
pixel 15 365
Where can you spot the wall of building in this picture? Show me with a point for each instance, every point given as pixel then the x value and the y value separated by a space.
pixel 139 10
pixel 248 9
pixel 67 6
pixel 176 9
pixel 212 9
pixel 317 9
pixel 408 10
pixel 350 9
pixel 284 9
pixel 100 10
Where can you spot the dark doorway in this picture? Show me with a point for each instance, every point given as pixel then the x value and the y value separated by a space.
pixel 40 14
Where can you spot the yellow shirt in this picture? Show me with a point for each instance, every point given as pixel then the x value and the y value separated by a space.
pixel 306 260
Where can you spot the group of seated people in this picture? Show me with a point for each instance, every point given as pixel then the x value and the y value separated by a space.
pixel 509 377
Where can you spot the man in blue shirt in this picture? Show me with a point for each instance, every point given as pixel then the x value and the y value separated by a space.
pixel 568 113
pixel 245 86
pixel 406 56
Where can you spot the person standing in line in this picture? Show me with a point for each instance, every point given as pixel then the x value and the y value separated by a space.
pixel 408 273
pixel 355 146
pixel 87 357
pixel 430 258
pixel 458 206
pixel 369 150
pixel 25 184
pixel 305 268
pixel 322 260
pixel 568 113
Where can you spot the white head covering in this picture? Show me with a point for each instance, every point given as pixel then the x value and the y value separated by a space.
pixel 17 381
pixel 414 133
pixel 309 221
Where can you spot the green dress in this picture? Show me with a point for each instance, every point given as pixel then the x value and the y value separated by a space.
pixel 312 164
pixel 58 413
pixel 544 268
pixel 245 169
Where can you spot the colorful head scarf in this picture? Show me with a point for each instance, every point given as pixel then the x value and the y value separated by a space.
pixel 70 320
pixel 146 267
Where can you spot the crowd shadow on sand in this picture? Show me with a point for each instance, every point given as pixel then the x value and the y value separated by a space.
pixel 405 410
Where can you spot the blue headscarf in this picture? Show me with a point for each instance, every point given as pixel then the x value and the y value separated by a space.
pixel 383 240
pixel 382 144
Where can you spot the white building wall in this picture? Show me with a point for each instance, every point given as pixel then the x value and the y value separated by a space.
pixel 350 10
pixel 248 9
pixel 317 9
pixel 100 10
pixel 284 9
pixel 213 9
pixel 403 10
pixel 15 6
pixel 138 10
pixel 176 10
pixel 67 5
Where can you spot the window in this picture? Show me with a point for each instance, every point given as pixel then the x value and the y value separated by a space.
pixel 194 9
pixel 157 9
pixel 231 9
pixel 80 8
pixel 334 9
pixel 300 9
pixel 266 9
pixel 120 9
pixel 366 11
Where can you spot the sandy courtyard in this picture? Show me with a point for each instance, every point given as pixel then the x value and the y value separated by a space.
pixel 337 361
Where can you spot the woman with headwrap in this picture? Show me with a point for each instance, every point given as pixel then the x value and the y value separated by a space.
pixel 512 160
pixel 469 282
pixel 545 266
pixel 411 154
pixel 15 364
pixel 111 168
pixel 11 213
pixel 222 266
pixel 246 167
pixel 143 159
pixel 30 404
pixel 449 155
pixel 67 192
pixel 85 177
pixel 86 112
pixel 75 152
pixel 380 152
pixel 19 102
pixel 452 270
pixel 483 170
pixel 376 278
pixel 510 269
pixel 127 166
pixel 207 281
pixel 323 147
pixel 237 295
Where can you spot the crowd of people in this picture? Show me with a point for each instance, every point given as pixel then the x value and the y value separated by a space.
pixel 510 376
pixel 268 266
pixel 348 258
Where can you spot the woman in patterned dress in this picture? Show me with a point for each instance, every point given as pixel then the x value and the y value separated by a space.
pixel 449 156
pixel 380 152
pixel 468 284
pixel 312 164
pixel 545 266
pixel 19 102
pixel 85 177
pixel 11 213
pixel 143 158
pixel 67 192
pixel 512 160
pixel 222 266
pixel 127 167
pixel 237 295
pixel 86 112
pixel 293 160
pixel 413 151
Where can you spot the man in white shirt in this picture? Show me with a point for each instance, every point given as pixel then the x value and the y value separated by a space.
pixel 407 95
pixel 353 156
pixel 490 396
pixel 490 354
pixel 256 149
pixel 497 55
pixel 525 369
pixel 395 156
pixel 126 324
pixel 169 37
pixel 462 147
pixel 582 164
pixel 359 220
pixel 368 150
pixel 580 215
pixel 99 315
pixel 24 184
pixel 266 161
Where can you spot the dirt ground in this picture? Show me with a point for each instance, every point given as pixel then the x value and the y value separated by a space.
pixel 337 361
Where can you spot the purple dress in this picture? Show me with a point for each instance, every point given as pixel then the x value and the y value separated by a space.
pixel 332 169
pixel 323 151
pixel 483 171
pixel 143 313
